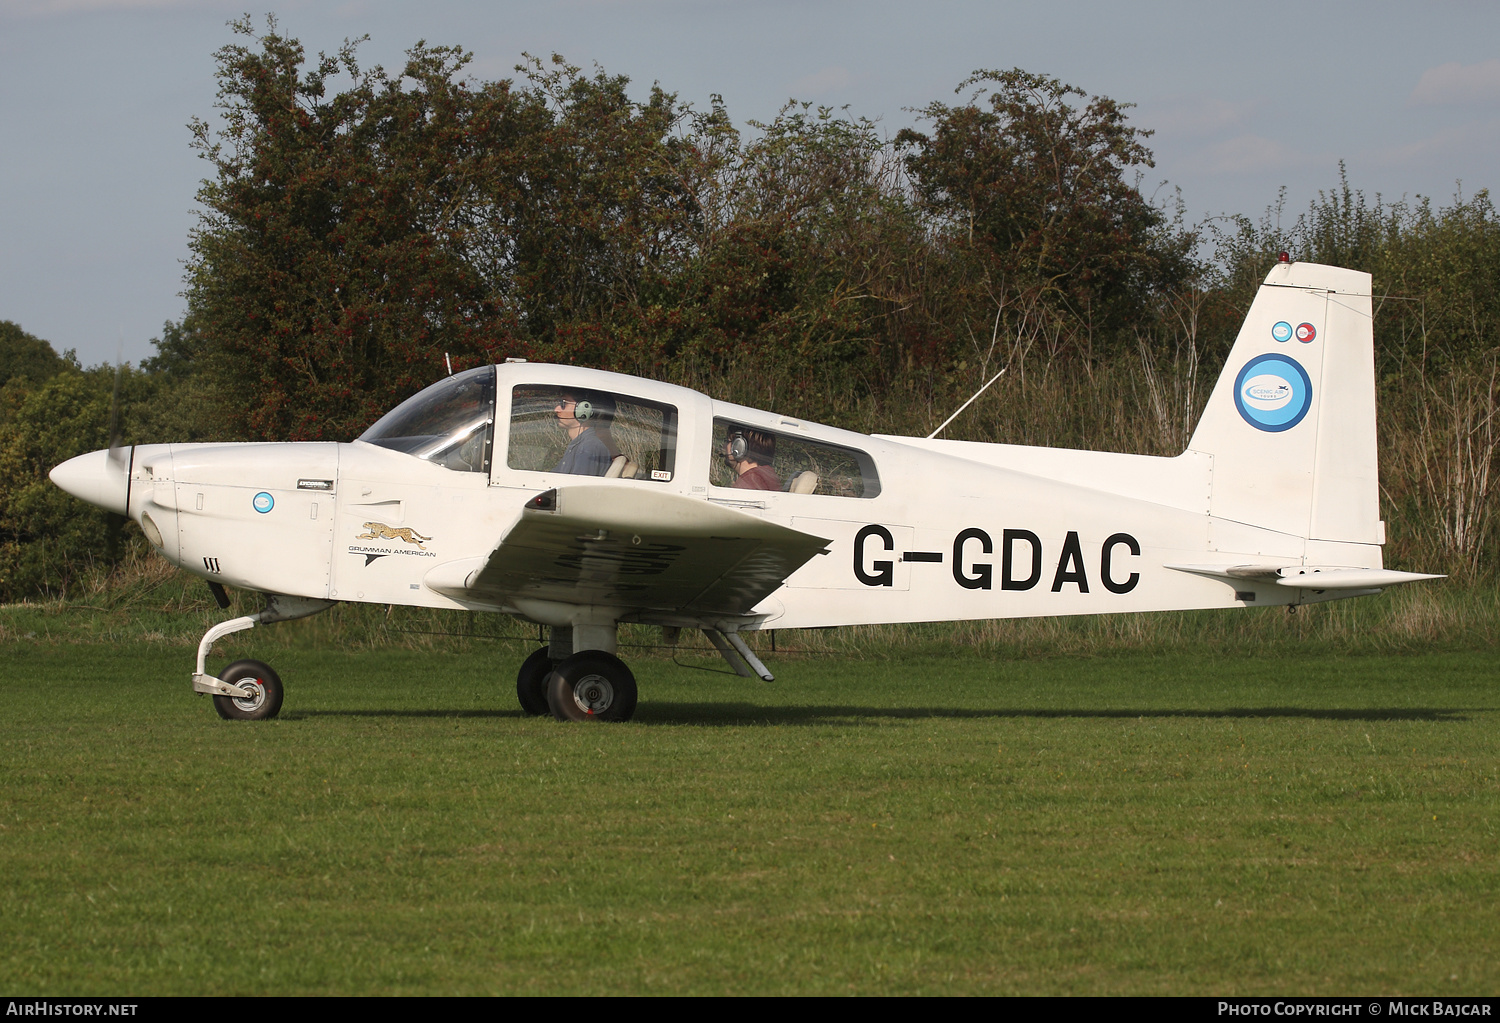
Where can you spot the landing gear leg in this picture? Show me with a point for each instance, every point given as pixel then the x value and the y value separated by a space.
pixel 250 690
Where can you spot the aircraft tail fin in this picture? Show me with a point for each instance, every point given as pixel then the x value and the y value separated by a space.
pixel 1291 422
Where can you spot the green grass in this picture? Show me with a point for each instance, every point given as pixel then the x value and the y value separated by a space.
pixel 1297 820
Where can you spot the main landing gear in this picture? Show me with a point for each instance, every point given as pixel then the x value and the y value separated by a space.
pixel 591 686
pixel 531 682
pixel 595 685
pixel 250 690
pixel 587 685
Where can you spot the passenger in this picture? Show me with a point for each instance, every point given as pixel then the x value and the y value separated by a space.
pixel 585 417
pixel 750 454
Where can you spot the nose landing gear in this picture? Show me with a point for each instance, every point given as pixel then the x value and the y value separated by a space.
pixel 250 690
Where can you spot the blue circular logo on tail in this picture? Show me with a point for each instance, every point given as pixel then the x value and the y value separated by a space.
pixel 263 502
pixel 1273 393
pixel 1282 331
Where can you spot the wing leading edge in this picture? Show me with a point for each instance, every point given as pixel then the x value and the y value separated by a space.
pixel 635 549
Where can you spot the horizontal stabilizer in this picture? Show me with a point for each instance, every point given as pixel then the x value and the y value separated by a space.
pixel 1305 577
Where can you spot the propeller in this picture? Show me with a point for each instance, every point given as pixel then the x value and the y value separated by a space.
pixel 121 458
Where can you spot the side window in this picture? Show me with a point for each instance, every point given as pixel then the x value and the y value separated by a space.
pixel 747 458
pixel 586 432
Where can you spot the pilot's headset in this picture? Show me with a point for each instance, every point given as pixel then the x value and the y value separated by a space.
pixel 594 409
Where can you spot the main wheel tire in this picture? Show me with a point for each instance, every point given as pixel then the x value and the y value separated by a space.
pixel 264 685
pixel 591 686
pixel 531 682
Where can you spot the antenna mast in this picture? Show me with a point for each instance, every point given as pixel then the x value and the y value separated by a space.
pixel 966 404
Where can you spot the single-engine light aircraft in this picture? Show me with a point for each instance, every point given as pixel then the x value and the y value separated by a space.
pixel 579 499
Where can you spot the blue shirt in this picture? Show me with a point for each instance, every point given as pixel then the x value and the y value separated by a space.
pixel 586 456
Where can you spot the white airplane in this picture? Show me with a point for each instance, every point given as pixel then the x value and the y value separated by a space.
pixel 579 499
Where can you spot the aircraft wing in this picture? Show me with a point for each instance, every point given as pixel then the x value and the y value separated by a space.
pixel 632 548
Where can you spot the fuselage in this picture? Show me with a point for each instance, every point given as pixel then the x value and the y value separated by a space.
pixel 917 530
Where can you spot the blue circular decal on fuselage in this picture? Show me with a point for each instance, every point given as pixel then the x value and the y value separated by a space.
pixel 1273 393
pixel 1282 331
pixel 263 502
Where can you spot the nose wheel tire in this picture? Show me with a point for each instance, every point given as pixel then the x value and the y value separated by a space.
pixel 531 683
pixel 264 700
pixel 591 686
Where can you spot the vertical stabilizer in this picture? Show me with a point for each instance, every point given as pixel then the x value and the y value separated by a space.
pixel 1291 421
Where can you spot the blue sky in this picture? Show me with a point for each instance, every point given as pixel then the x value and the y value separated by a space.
pixel 97 180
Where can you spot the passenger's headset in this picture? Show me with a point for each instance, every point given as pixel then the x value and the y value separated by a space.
pixel 739 447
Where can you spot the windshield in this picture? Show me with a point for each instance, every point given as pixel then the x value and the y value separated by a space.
pixel 448 423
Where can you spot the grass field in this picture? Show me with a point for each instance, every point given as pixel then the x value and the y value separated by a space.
pixel 1290 820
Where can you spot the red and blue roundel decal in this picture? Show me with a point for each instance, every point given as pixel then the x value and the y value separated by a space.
pixel 1306 332
pixel 1273 392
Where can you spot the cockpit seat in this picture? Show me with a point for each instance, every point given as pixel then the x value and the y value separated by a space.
pixel 803 483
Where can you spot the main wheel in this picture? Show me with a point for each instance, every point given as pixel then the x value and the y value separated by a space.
pixel 591 686
pixel 264 700
pixel 531 682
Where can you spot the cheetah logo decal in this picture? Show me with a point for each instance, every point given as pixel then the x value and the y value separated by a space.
pixel 380 531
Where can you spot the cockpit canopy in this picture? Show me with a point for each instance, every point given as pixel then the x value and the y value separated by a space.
pixel 449 423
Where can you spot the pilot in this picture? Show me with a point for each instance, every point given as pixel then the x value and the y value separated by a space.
pixel 750 454
pixel 585 417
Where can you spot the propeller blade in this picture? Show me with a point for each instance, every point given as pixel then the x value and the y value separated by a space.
pixel 116 449
pixel 121 456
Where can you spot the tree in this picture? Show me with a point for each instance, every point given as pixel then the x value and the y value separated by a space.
pixel 328 275
pixel 25 355
pixel 49 538
pixel 1036 189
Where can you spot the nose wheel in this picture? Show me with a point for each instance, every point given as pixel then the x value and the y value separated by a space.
pixel 591 686
pixel 264 685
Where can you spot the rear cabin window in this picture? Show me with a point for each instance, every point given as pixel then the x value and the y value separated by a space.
pixel 749 458
pixel 587 432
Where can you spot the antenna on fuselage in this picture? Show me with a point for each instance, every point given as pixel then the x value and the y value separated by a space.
pixel 966 404
pixel 449 362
